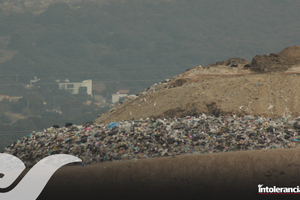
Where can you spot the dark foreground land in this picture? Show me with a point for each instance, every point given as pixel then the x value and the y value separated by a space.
pixel 202 176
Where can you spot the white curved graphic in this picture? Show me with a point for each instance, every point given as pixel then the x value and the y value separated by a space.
pixel 11 167
pixel 32 184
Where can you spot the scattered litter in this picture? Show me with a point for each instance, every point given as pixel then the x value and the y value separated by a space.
pixel 140 139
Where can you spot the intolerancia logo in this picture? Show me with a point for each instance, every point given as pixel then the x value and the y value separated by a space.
pixel 278 190
pixel 32 184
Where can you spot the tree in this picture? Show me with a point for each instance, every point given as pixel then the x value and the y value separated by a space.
pixel 18 42
pixel 4 118
pixel 26 111
pixel 34 102
pixel 4 105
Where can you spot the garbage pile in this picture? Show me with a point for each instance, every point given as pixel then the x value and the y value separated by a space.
pixel 131 97
pixel 157 87
pixel 94 143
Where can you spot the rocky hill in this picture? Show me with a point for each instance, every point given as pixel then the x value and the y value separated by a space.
pixel 263 87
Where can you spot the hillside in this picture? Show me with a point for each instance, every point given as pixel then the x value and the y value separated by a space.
pixel 128 44
pixel 220 89
pixel 135 42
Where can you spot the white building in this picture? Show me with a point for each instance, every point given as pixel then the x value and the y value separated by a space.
pixel 73 87
pixel 121 93
pixel 34 80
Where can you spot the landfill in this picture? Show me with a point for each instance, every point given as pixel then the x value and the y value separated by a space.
pixel 148 138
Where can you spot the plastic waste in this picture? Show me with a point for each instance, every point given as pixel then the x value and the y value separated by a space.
pixel 112 124
pixel 161 137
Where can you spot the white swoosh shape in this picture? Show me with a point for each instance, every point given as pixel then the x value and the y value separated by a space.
pixel 11 167
pixel 32 184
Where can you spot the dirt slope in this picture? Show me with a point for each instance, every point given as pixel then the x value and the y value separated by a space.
pixel 220 90
pixel 208 176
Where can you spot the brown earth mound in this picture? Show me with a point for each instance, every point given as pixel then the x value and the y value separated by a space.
pixel 249 94
pixel 200 176
pixel 222 90
pixel 291 53
pixel 276 62
pixel 237 61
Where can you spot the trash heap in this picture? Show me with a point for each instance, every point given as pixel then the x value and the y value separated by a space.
pixel 94 143
pixel 157 87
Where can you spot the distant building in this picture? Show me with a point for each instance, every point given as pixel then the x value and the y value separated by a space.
pixel 34 80
pixel 55 110
pixel 117 88
pixel 2 97
pixel 116 97
pixel 88 103
pixel 73 87
pixel 101 104
pixel 13 98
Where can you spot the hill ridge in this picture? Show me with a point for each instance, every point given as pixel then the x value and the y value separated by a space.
pixel 219 90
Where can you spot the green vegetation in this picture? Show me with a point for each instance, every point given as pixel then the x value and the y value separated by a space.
pixel 4 118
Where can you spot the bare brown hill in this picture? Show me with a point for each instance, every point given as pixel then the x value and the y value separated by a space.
pixel 282 61
pixel 220 90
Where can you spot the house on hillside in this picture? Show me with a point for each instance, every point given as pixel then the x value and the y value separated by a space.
pixel 32 83
pixel 2 97
pixel 73 87
pixel 13 98
pixel 116 97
